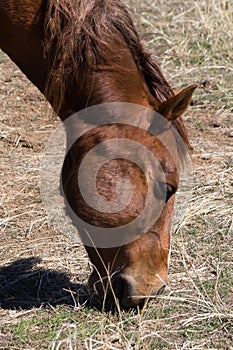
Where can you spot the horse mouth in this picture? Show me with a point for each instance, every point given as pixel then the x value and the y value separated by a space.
pixel 120 291
pixel 125 292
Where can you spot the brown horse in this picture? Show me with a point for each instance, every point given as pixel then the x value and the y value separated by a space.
pixel 81 53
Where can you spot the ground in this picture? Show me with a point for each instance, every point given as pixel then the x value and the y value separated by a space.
pixel 43 272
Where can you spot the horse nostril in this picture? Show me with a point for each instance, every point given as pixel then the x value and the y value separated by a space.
pixel 124 292
pixel 118 286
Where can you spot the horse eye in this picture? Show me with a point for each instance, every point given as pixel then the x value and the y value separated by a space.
pixel 164 191
pixel 170 190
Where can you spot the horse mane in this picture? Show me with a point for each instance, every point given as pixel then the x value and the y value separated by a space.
pixel 77 31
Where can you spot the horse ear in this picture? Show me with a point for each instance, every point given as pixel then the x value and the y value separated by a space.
pixel 175 106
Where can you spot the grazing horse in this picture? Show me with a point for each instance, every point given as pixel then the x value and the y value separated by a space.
pixel 82 53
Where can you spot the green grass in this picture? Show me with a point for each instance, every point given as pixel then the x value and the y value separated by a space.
pixel 46 325
pixel 199 125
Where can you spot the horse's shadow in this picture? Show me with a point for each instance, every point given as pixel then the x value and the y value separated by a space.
pixel 23 286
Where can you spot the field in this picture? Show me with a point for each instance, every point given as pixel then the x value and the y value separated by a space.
pixel 43 272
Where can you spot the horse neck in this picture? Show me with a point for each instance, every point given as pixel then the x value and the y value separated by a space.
pixel 116 78
pixel 21 33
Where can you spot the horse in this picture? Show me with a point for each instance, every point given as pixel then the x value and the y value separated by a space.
pixel 85 53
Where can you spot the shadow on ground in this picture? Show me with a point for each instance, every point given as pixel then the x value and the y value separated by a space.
pixel 24 286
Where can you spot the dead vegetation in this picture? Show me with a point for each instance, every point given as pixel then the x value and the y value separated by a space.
pixel 43 273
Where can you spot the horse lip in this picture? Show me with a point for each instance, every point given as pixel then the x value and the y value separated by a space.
pixel 132 302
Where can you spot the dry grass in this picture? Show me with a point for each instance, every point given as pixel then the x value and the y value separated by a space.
pixel 42 271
